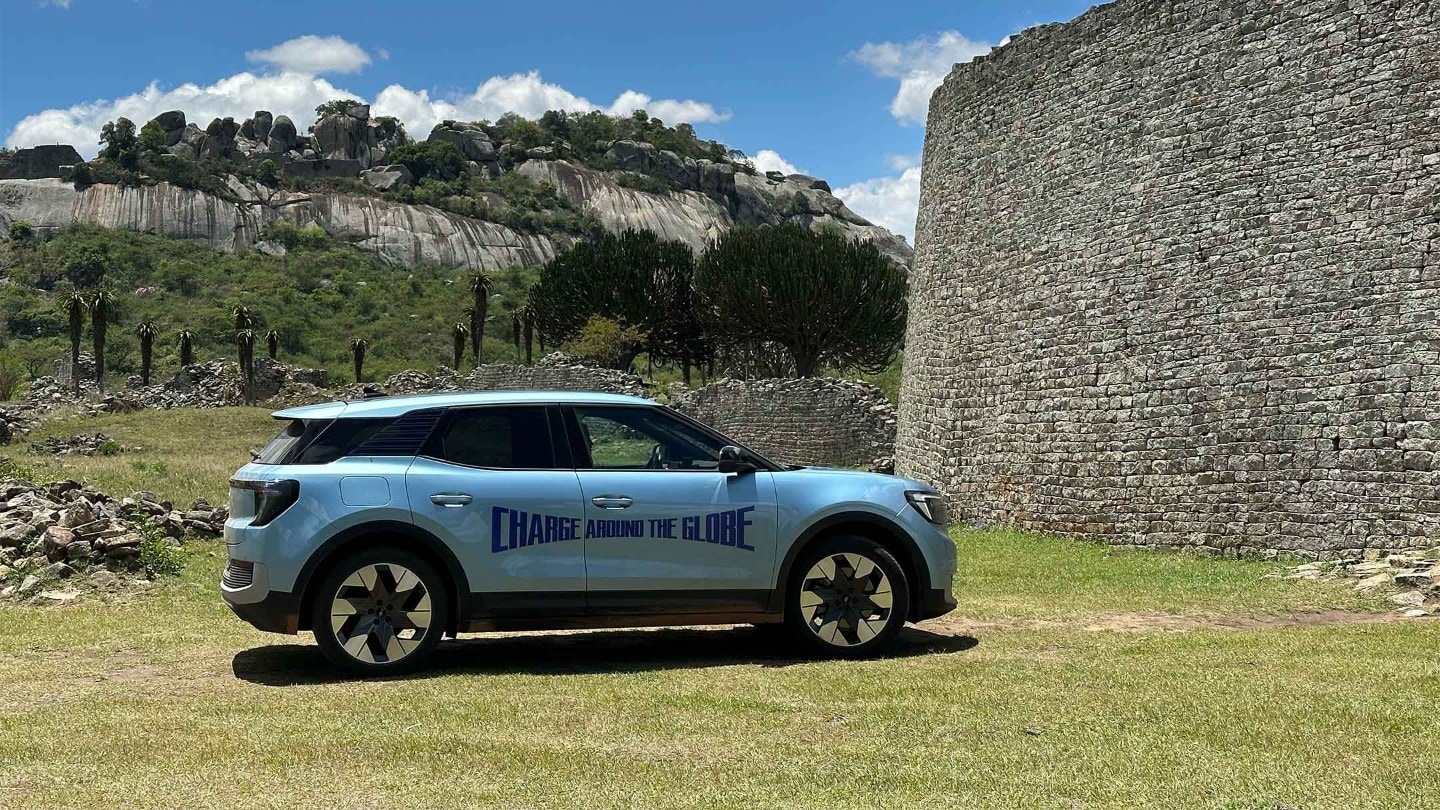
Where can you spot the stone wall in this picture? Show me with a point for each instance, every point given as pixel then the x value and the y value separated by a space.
pixel 554 373
pixel 1176 279
pixel 809 421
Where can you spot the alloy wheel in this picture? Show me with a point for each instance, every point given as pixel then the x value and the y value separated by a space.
pixel 846 599
pixel 381 613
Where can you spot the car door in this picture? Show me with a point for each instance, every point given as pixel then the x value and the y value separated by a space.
pixel 492 486
pixel 665 530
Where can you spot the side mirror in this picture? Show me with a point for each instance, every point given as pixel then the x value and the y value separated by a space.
pixel 735 460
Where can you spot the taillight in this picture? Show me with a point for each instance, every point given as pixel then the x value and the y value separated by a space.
pixel 271 497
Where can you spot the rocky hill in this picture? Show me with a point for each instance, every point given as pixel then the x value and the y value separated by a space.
pixel 513 203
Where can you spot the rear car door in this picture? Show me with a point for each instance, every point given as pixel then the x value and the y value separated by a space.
pixel 491 485
pixel 665 530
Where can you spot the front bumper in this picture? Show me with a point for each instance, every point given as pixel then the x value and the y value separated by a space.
pixel 935 602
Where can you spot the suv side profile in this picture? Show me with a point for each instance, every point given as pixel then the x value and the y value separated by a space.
pixel 381 525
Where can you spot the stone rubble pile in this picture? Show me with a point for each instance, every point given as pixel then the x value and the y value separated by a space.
pixel 81 444
pixel 56 536
pixel 1414 575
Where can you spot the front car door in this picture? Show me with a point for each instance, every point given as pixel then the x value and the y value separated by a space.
pixel 493 487
pixel 665 531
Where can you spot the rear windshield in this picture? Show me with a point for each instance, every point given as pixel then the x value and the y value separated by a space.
pixel 294 435
pixel 321 441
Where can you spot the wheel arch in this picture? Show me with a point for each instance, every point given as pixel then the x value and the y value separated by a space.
pixel 388 533
pixel 878 528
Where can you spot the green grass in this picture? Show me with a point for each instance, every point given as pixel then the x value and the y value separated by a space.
pixel 183 454
pixel 1073 675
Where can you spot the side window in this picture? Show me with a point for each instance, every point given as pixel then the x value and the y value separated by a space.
pixel 504 438
pixel 644 439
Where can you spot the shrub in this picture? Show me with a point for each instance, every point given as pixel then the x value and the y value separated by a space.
pixel 159 555
pixel 20 231
pixel 439 160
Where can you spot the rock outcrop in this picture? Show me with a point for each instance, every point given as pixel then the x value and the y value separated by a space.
pixel 38 162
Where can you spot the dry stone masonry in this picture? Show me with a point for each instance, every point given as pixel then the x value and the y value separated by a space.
pixel 1177 278
pixel 804 421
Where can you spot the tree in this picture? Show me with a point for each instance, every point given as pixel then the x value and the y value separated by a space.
pixel 338 106
pixel 245 351
pixel 187 348
pixel 635 279
pixel 825 299
pixel 527 324
pixel 515 321
pixel 75 307
pixel 438 160
pixel 272 343
pixel 152 137
pixel 244 319
pixel 606 342
pixel 481 286
pixel 121 145
pixel 20 232
pixel 358 347
pixel 102 309
pixel 459 332
pixel 147 332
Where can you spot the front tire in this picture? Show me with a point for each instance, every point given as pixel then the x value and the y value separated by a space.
pixel 379 611
pixel 847 598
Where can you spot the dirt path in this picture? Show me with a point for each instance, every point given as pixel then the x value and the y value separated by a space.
pixel 1165 622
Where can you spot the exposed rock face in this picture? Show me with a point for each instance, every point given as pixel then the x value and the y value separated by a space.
pixel 473 141
pixel 685 216
pixel 388 178
pixel 282 135
pixel 721 199
pixel 1172 293
pixel 404 234
pixel 345 137
pixel 38 162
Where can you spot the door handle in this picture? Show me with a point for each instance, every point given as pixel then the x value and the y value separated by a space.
pixel 612 502
pixel 451 500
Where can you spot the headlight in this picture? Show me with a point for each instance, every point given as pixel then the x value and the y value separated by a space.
pixel 931 505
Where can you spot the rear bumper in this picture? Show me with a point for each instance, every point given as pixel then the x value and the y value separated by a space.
pixel 935 602
pixel 275 612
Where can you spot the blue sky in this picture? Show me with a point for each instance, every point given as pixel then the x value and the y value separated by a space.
pixel 836 89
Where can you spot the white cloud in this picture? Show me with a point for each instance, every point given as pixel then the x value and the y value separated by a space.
pixel 891 202
pixel 920 65
pixel 297 94
pixel 529 95
pixel 238 96
pixel 900 163
pixel 56 3
pixel 313 54
pixel 768 160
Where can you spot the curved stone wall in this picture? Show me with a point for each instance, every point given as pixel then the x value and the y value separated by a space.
pixel 842 423
pixel 1177 279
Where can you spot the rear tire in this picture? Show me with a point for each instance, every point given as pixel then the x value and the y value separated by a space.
pixel 847 598
pixel 379 611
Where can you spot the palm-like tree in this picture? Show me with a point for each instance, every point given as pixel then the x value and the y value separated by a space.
pixel 272 343
pixel 244 318
pixel 527 325
pixel 245 349
pixel 75 307
pixel 481 285
pixel 102 307
pixel 147 333
pixel 187 348
pixel 459 331
pixel 358 347
pixel 515 321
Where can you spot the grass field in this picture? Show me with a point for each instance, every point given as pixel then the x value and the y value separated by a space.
pixel 1072 675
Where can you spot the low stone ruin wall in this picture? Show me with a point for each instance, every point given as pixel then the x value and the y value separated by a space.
pixel 808 421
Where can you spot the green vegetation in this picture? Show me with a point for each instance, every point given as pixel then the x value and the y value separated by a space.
pixel 316 298
pixel 338 106
pixel 636 280
pixel 1072 675
pixel 585 137
pixel 826 300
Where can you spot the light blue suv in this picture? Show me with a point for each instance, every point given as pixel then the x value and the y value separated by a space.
pixel 382 524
